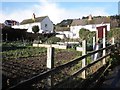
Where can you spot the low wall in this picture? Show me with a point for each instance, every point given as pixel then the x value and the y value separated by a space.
pixel 79 49
pixel 53 45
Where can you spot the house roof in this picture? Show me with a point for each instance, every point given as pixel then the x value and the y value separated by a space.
pixel 38 19
pixel 77 22
pixel 57 28
pixel 11 21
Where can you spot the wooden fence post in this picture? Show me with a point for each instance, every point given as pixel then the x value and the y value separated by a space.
pixel 50 63
pixel 84 45
pixel 104 44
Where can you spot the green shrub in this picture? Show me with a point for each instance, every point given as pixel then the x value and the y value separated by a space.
pixel 53 40
pixel 115 32
pixel 25 52
pixel 35 29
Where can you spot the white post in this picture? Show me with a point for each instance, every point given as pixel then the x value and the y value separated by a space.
pixel 84 45
pixel 93 42
pixel 104 44
pixel 50 57
pixel 113 40
pixel 50 63
pixel 96 35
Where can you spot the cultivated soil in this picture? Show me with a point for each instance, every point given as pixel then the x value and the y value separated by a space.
pixel 16 70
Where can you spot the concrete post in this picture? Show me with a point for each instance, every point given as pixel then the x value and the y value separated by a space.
pixel 104 44
pixel 113 40
pixel 84 45
pixel 96 35
pixel 50 57
pixel 50 64
pixel 93 42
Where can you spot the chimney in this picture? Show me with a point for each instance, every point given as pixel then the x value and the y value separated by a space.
pixel 33 16
pixel 90 17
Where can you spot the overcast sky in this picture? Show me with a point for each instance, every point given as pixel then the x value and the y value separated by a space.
pixel 56 10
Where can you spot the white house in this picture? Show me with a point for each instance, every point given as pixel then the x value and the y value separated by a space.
pixel 90 24
pixel 44 23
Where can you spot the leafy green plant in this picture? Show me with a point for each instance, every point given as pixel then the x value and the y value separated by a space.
pixel 115 32
pixel 27 52
pixel 115 57
pixel 85 34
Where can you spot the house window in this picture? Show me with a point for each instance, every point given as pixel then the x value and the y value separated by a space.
pixel 46 25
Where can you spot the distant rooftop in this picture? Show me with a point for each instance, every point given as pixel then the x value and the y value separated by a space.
pixel 77 22
pixel 38 19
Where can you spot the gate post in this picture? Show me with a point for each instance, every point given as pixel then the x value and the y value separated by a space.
pixel 50 63
pixel 84 45
pixel 104 44
pixel 50 57
pixel 93 42
pixel 113 41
